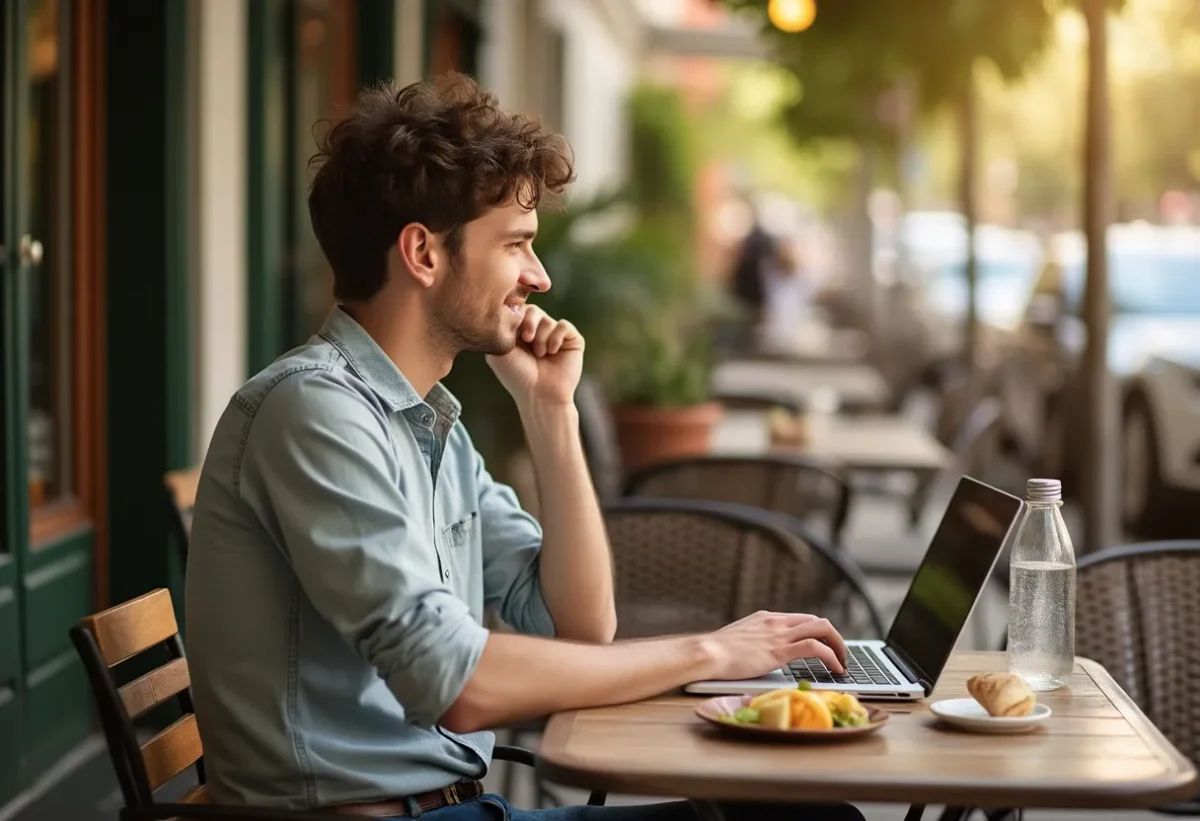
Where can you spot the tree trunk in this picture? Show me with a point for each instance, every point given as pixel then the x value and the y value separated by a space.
pixel 860 243
pixel 968 148
pixel 1101 509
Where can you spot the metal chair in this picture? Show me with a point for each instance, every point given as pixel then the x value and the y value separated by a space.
pixel 777 482
pixel 129 630
pixel 692 566
pixel 684 566
pixel 971 435
pixel 599 438
pixel 1138 614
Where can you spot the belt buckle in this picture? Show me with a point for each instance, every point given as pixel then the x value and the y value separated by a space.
pixel 451 794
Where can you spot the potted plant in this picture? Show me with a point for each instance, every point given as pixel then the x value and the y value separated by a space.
pixel 662 408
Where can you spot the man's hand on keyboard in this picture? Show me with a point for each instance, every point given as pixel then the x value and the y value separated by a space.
pixel 763 642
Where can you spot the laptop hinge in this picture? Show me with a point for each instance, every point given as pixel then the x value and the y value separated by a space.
pixel 906 669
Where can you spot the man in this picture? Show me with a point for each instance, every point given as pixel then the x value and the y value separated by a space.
pixel 347 537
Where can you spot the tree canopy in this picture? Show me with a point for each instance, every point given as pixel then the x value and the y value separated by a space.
pixel 855 54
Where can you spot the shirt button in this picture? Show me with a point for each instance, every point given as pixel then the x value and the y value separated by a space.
pixel 446 575
pixel 427 418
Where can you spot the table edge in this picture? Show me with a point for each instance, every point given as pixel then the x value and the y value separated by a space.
pixel 1179 783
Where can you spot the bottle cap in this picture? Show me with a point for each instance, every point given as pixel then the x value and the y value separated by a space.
pixel 1043 490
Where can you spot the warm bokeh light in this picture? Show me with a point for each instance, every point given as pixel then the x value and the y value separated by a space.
pixel 792 15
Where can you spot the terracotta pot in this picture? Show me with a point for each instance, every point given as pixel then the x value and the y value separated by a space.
pixel 649 434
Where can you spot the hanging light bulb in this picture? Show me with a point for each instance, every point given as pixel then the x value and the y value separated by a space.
pixel 792 15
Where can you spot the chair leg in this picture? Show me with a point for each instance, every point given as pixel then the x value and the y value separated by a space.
pixel 956 814
pixel 510 767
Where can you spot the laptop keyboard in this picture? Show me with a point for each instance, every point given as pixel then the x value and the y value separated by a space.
pixel 861 668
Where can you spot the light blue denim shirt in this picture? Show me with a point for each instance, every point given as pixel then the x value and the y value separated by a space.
pixel 345 542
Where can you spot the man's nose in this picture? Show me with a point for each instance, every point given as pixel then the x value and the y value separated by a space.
pixel 535 277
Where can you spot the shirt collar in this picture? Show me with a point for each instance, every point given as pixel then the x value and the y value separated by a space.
pixel 377 369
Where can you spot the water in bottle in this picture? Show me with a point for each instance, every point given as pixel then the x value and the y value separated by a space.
pixel 1041 609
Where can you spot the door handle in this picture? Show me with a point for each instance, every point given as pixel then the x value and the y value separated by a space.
pixel 31 250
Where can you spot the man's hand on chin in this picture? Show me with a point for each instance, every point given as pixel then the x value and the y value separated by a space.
pixel 544 367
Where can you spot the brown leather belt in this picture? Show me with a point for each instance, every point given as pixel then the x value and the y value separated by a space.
pixel 426 801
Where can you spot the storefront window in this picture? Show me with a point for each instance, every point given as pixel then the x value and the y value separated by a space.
pixel 45 254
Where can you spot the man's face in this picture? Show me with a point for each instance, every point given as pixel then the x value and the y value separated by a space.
pixel 479 304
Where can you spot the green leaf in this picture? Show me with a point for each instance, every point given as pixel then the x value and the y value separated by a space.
pixel 746 715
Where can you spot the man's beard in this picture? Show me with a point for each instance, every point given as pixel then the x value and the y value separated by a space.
pixel 465 322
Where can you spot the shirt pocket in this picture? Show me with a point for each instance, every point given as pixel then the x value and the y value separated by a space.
pixel 459 538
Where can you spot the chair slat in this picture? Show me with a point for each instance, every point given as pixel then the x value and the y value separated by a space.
pixel 127 629
pixel 172 751
pixel 155 687
pixel 197 795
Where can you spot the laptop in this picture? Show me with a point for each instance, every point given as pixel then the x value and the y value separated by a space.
pixel 906 665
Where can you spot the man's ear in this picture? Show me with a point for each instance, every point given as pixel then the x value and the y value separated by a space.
pixel 420 253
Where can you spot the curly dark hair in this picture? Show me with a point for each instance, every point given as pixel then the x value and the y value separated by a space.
pixel 439 153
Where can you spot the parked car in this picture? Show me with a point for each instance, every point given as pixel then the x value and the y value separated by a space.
pixel 1154 281
pixel 1160 436
pixel 1007 262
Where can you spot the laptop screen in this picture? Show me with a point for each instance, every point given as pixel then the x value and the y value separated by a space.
pixel 952 574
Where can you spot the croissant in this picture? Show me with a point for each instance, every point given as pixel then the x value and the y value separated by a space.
pixel 1003 695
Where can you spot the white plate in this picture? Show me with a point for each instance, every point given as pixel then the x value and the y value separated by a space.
pixel 968 714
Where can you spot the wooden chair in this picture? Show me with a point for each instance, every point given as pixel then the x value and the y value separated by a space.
pixel 128 630
pixel 181 498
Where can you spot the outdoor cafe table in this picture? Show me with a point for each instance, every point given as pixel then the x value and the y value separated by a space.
pixel 856 443
pixel 858 385
pixel 1097 750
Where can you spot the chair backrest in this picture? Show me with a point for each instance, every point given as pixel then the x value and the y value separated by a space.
pixel 776 482
pixel 181 498
pixel 107 639
pixel 597 431
pixel 1138 614
pixel 686 566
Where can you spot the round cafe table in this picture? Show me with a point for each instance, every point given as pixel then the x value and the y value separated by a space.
pixel 1097 750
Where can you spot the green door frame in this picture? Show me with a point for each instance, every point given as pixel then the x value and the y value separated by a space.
pixel 266 217
pixel 13 488
pixel 376 41
pixel 269 154
pixel 149 426
pixel 45 706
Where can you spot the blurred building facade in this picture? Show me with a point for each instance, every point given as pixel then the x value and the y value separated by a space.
pixel 156 250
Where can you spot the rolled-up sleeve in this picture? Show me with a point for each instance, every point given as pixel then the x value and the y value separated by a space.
pixel 320 471
pixel 512 542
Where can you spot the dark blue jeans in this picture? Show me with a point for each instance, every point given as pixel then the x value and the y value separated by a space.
pixel 494 808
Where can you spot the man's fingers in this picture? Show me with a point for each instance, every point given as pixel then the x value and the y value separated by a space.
pixel 562 332
pixel 530 321
pixel 811 648
pixel 824 632
pixel 542 338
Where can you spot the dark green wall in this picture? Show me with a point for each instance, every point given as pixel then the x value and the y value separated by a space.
pixel 270 317
pixel 376 41
pixel 150 394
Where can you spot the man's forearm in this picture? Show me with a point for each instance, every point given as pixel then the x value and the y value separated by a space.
pixel 576 566
pixel 519 677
